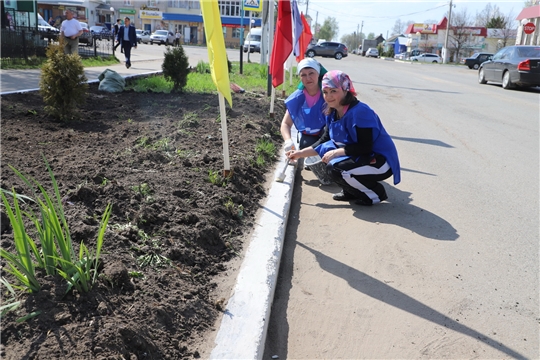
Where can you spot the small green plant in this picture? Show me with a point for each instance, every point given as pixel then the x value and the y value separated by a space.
pixel 203 67
pixel 9 298
pixel 176 67
pixel 189 120
pixel 56 254
pixel 33 112
pixel 229 205
pixel 63 83
pixel 214 177
pixel 265 148
pixel 136 274
pixel 130 120
pixel 143 142
pixel 143 189
pixel 260 161
pixel 105 181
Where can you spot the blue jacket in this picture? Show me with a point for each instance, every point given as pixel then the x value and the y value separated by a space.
pixel 131 32
pixel 343 132
pixel 306 120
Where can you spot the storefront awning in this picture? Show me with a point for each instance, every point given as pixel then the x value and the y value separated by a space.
pixel 63 2
pixel 225 20
pixel 530 12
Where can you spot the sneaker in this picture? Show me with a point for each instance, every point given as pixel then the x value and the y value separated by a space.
pixel 343 196
pixel 307 168
pixel 368 202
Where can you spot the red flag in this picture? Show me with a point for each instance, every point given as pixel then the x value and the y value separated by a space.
pixel 282 42
pixel 305 38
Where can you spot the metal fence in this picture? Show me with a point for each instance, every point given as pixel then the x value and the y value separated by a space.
pixel 27 43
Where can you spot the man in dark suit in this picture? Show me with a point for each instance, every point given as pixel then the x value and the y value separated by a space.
pixel 127 37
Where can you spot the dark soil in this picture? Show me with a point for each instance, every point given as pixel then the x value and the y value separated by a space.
pixel 171 233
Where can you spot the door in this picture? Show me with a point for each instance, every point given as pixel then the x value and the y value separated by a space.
pixel 187 34
pixel 193 35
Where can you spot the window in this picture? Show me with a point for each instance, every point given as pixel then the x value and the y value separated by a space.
pixel 236 33
pixel 127 2
pixel 224 32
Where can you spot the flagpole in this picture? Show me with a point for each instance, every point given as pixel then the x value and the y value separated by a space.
pixel 272 102
pixel 224 136
pixel 283 85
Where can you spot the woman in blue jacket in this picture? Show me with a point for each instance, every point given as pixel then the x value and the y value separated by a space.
pixel 304 107
pixel 355 146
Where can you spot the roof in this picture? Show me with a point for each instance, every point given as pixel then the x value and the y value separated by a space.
pixel 530 12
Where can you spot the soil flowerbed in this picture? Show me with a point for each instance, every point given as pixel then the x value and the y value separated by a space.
pixel 175 224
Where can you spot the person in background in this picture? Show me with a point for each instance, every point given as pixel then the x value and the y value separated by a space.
pixel 116 29
pixel 51 21
pixel 304 107
pixel 177 38
pixel 70 30
pixel 355 146
pixel 127 36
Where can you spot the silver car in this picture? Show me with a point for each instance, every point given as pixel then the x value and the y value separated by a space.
pixel 427 58
pixel 162 37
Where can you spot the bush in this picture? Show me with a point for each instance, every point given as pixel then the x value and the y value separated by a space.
pixel 176 67
pixel 202 67
pixel 63 83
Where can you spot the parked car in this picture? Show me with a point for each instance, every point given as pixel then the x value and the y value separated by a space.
pixel 372 52
pixel 401 56
pixel 512 66
pixel 100 32
pixel 86 37
pixel 47 31
pixel 143 36
pixel 427 58
pixel 327 49
pixel 162 37
pixel 476 59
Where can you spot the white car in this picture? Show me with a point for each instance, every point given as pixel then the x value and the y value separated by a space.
pixel 372 52
pixel 143 36
pixel 162 37
pixel 427 58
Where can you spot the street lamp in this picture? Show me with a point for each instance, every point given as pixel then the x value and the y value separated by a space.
pixel 251 22
pixel 112 28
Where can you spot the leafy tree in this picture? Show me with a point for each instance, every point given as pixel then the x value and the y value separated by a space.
pixel 352 40
pixel 371 36
pixel 399 27
pixel 496 23
pixel 329 29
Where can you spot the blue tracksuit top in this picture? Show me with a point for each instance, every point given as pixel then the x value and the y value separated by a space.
pixel 306 120
pixel 343 132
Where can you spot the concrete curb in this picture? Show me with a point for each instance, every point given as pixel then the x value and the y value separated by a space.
pixel 242 334
pixel 134 76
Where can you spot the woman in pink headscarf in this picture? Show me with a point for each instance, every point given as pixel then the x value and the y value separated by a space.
pixel 358 151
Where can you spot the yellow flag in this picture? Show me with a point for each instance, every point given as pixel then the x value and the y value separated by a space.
pixel 217 57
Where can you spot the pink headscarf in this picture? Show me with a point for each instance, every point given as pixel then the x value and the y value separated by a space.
pixel 335 79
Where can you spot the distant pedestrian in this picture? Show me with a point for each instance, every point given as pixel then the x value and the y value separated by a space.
pixel 127 36
pixel 116 29
pixel 177 40
pixel 70 30
pixel 51 21
pixel 358 151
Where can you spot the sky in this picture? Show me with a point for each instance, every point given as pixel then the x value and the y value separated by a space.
pixel 380 16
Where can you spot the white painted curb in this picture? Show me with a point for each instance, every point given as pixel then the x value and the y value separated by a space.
pixel 242 334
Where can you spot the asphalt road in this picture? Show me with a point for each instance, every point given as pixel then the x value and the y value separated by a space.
pixel 448 267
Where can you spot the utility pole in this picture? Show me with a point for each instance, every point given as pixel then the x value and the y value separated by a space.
pixel 307 5
pixel 356 37
pixel 315 26
pixel 445 48
pixel 362 51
